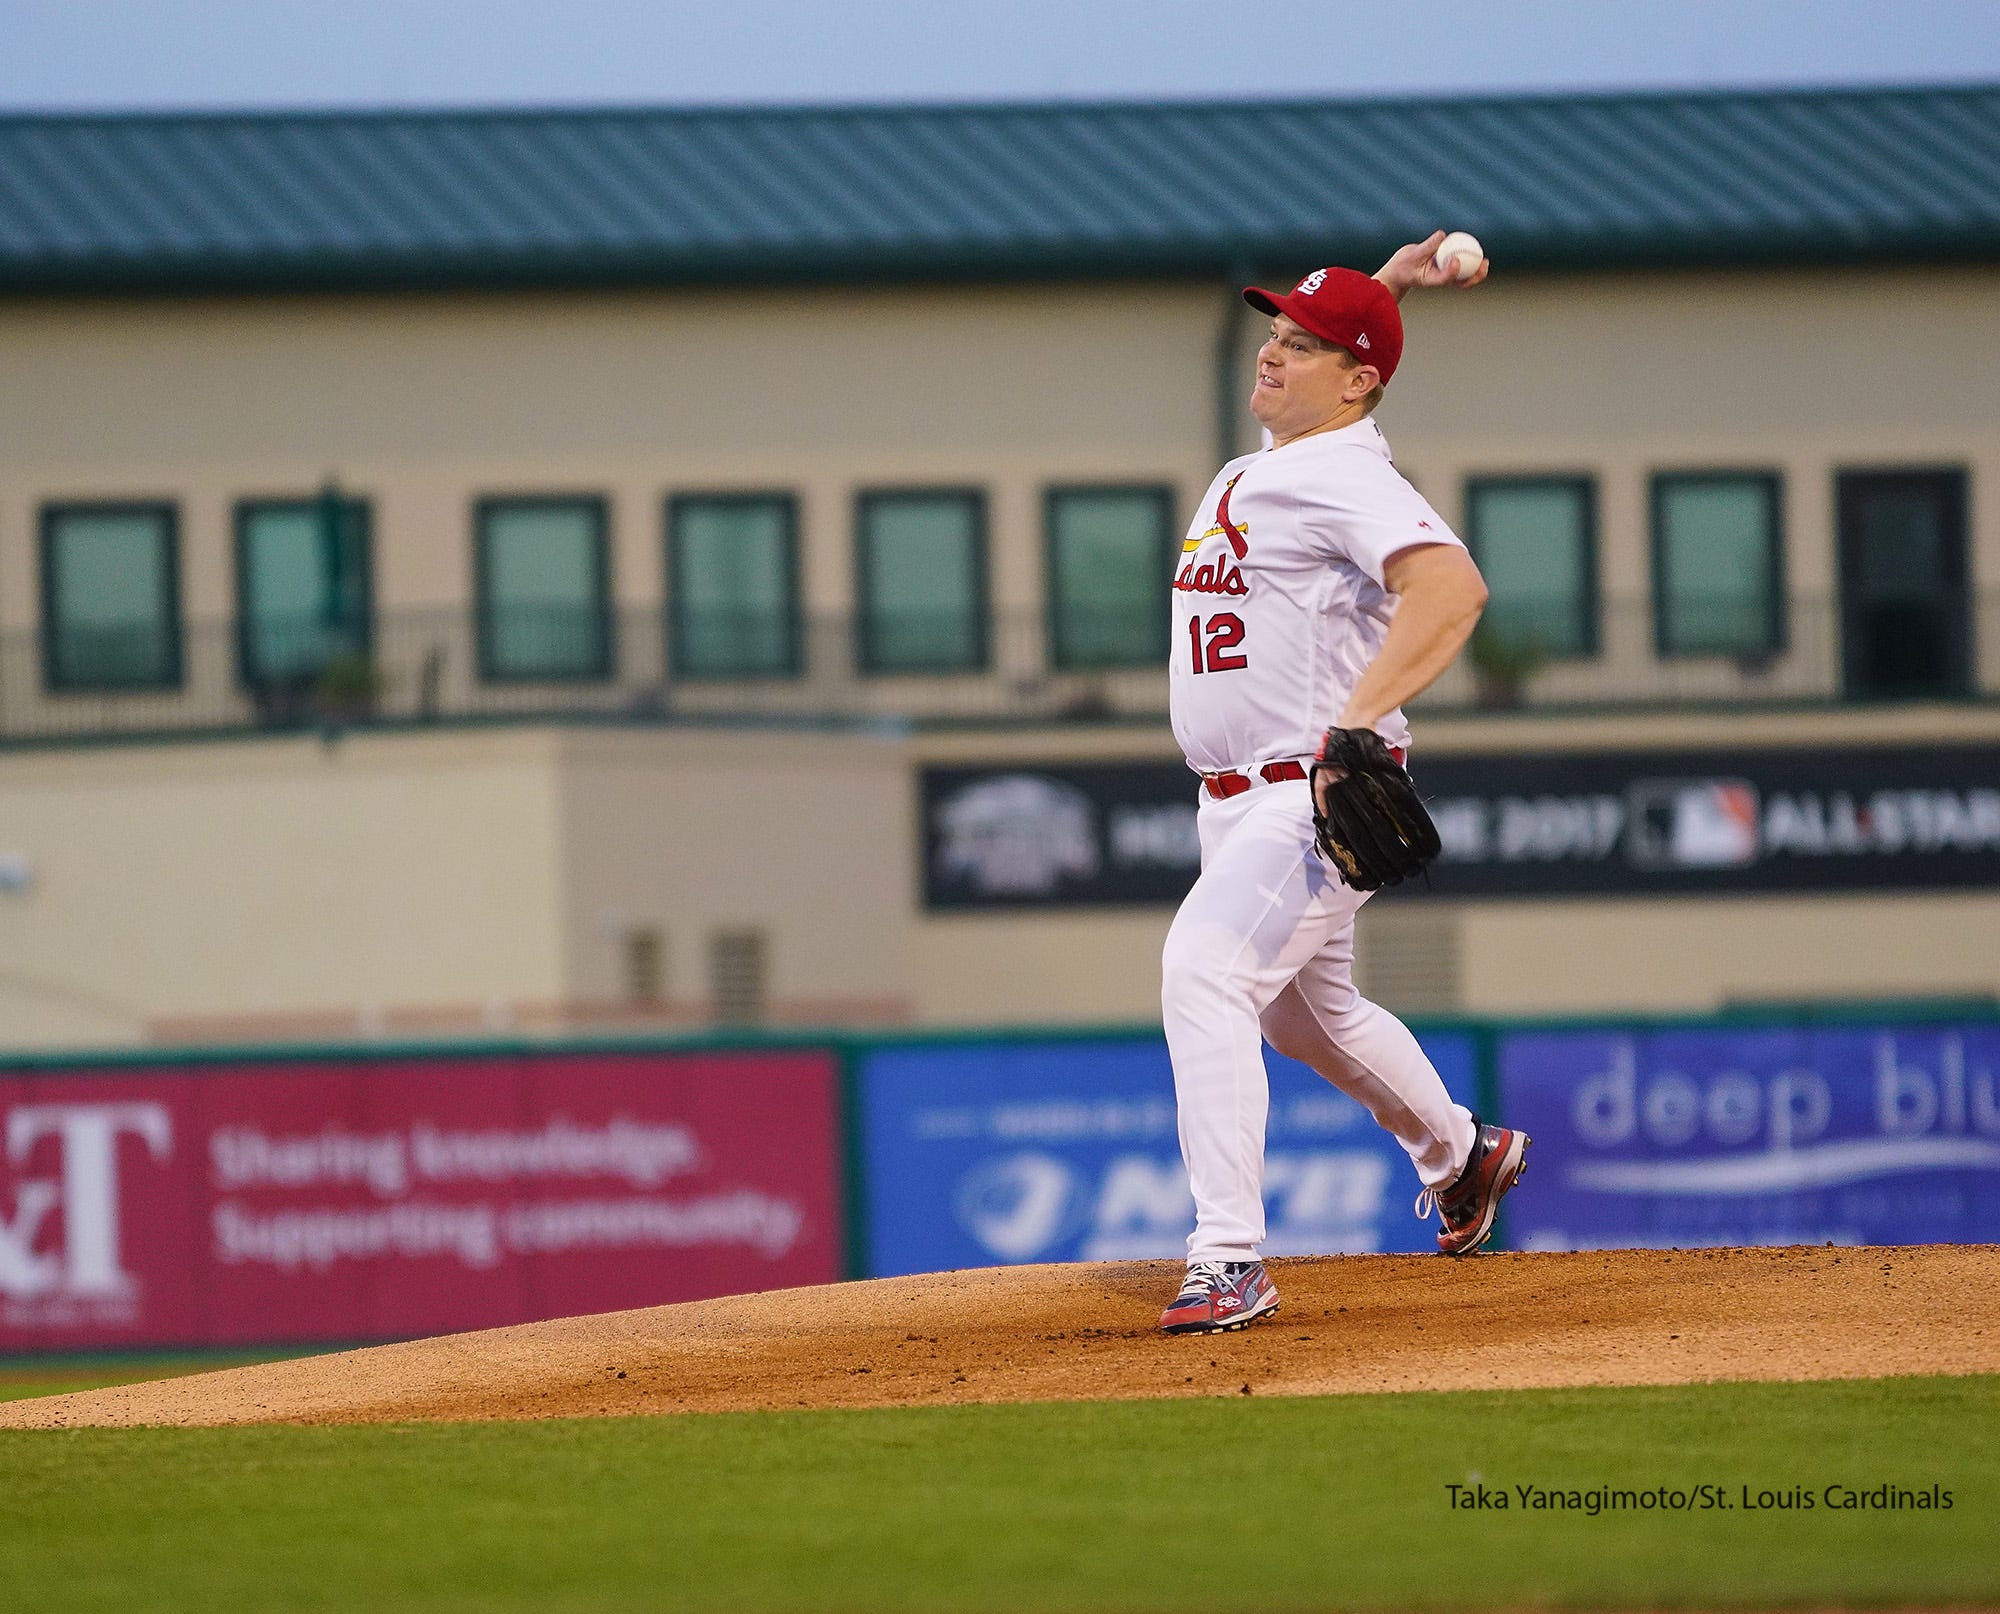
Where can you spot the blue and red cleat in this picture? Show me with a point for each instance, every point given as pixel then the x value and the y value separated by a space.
pixel 1217 1296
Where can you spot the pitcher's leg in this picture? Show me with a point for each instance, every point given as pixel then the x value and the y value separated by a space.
pixel 1366 1052
pixel 1264 904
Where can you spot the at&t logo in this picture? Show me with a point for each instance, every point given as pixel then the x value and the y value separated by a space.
pixel 60 1258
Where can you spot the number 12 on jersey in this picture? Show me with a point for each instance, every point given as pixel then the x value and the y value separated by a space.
pixel 1223 632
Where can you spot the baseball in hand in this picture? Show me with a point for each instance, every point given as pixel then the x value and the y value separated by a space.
pixel 1459 255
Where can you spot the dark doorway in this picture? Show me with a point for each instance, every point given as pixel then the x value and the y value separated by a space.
pixel 1905 615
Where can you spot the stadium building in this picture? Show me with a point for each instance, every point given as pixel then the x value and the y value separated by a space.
pixel 596 570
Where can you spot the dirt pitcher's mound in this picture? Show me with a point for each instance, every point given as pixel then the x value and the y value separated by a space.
pixel 1347 1323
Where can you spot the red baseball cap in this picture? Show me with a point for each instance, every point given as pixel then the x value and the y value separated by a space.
pixel 1344 307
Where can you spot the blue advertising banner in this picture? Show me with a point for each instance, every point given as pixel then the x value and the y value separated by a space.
pixel 1853 1135
pixel 986 1154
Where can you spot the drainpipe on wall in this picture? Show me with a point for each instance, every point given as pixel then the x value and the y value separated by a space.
pixel 1229 378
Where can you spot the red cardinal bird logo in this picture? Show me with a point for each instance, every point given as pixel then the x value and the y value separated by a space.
pixel 1239 542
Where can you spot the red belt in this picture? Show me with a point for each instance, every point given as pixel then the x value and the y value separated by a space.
pixel 1229 782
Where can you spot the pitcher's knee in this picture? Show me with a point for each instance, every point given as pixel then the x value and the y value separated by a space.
pixel 1343 1009
pixel 1291 1030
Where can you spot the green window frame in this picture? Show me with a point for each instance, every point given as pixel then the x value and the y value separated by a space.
pixel 542 588
pixel 1718 563
pixel 111 597
pixel 1535 539
pixel 304 590
pixel 920 581
pixel 733 610
pixel 1108 553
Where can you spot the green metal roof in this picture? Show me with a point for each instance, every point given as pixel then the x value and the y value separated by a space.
pixel 347 200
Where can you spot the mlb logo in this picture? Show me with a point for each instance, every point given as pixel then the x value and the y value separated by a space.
pixel 1693 823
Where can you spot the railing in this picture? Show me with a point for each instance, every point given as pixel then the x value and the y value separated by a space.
pixel 442 666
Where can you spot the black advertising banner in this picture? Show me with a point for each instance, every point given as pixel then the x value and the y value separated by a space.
pixel 1624 823
pixel 1099 835
pixel 1680 823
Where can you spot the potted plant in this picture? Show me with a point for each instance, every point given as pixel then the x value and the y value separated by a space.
pixel 348 686
pixel 1502 664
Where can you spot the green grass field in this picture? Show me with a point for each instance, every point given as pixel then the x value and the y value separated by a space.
pixel 1236 1504
pixel 56 1375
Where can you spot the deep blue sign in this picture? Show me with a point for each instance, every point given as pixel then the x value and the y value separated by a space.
pixel 1879 1135
pixel 990 1154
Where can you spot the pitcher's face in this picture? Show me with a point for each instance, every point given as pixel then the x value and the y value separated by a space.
pixel 1303 381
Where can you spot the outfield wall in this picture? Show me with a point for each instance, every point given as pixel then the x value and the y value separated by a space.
pixel 973 1153
pixel 296 1196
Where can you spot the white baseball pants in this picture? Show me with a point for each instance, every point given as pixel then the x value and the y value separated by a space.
pixel 1263 947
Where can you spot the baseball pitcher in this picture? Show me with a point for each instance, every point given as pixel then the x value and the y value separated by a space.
pixel 1316 593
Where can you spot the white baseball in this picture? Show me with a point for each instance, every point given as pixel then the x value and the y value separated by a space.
pixel 1460 255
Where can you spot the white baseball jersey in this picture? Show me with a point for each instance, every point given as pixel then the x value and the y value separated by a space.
pixel 1279 600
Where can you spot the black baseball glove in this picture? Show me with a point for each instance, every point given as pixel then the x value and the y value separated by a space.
pixel 1370 820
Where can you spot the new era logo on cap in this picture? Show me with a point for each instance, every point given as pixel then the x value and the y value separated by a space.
pixel 1361 339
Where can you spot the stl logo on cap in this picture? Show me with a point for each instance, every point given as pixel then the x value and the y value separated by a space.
pixel 1311 283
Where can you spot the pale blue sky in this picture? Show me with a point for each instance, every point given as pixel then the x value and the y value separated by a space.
pixel 115 54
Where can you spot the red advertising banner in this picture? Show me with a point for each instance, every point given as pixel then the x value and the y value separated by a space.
pixel 331 1200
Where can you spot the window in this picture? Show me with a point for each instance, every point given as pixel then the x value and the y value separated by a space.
pixel 302 586
pixel 733 586
pixel 544 589
pixel 1110 557
pixel 1535 539
pixel 1906 607
pixel 111 613
pixel 739 977
pixel 921 582
pixel 1718 582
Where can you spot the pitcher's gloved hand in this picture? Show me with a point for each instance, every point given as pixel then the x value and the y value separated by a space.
pixel 1370 821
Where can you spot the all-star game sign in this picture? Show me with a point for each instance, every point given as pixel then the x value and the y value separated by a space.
pixel 1680 823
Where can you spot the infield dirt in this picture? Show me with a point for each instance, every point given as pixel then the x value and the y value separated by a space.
pixel 1089 1332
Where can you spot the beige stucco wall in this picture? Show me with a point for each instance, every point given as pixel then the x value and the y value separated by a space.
pixel 1620 376
pixel 415 881
pixel 1513 958
pixel 425 402
pixel 1700 954
pixel 804 838
pixel 461 881
pixel 279 881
